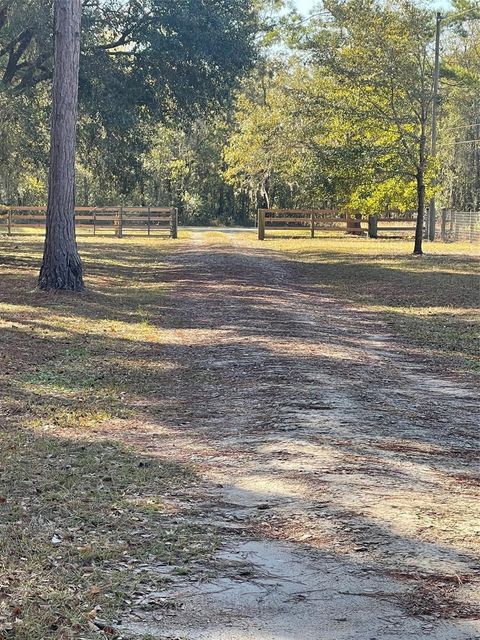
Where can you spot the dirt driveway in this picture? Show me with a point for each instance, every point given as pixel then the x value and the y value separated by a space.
pixel 341 474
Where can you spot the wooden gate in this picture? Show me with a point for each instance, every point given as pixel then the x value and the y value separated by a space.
pixel 379 226
pixel 310 220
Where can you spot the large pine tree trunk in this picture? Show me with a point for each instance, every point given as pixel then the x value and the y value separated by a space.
pixel 62 267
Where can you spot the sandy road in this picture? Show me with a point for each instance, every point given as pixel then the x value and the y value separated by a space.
pixel 342 475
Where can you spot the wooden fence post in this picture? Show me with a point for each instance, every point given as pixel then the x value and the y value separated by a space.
pixel 148 221
pixel 119 230
pixel 372 227
pixel 9 222
pixel 94 223
pixel 312 225
pixel 174 224
pixel 261 224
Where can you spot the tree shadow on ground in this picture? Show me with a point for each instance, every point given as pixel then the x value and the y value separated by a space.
pixel 228 365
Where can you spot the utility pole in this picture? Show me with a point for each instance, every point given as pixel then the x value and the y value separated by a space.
pixel 433 152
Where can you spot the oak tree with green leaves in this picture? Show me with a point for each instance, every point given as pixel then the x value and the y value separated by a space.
pixel 142 64
pixel 382 54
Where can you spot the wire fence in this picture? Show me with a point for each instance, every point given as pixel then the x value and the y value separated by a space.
pixel 459 226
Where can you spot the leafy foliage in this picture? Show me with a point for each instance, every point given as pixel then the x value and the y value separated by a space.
pixel 142 64
pixel 335 113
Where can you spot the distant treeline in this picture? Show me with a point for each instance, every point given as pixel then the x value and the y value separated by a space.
pixel 218 108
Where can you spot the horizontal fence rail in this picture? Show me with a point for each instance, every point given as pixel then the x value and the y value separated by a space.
pixel 313 220
pixel 310 220
pixel 98 220
pixel 384 226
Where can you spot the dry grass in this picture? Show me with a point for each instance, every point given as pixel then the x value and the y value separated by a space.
pixel 431 301
pixel 84 521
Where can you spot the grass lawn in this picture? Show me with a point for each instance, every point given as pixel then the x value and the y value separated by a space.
pixel 83 519
pixel 431 301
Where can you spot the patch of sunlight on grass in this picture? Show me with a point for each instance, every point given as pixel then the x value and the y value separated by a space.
pixel 42 321
pixel 153 503
pixel 73 418
pixel 362 246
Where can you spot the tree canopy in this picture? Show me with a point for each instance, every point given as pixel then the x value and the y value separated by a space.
pixel 142 64
pixel 219 107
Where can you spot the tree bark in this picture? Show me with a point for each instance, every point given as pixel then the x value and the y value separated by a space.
pixel 61 266
pixel 420 177
pixel 418 250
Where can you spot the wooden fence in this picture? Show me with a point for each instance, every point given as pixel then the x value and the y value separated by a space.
pixel 310 220
pixel 119 221
pixel 384 226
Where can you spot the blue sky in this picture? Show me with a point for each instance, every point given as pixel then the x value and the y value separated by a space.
pixel 305 5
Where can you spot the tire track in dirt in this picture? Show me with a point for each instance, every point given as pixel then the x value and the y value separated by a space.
pixel 343 474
